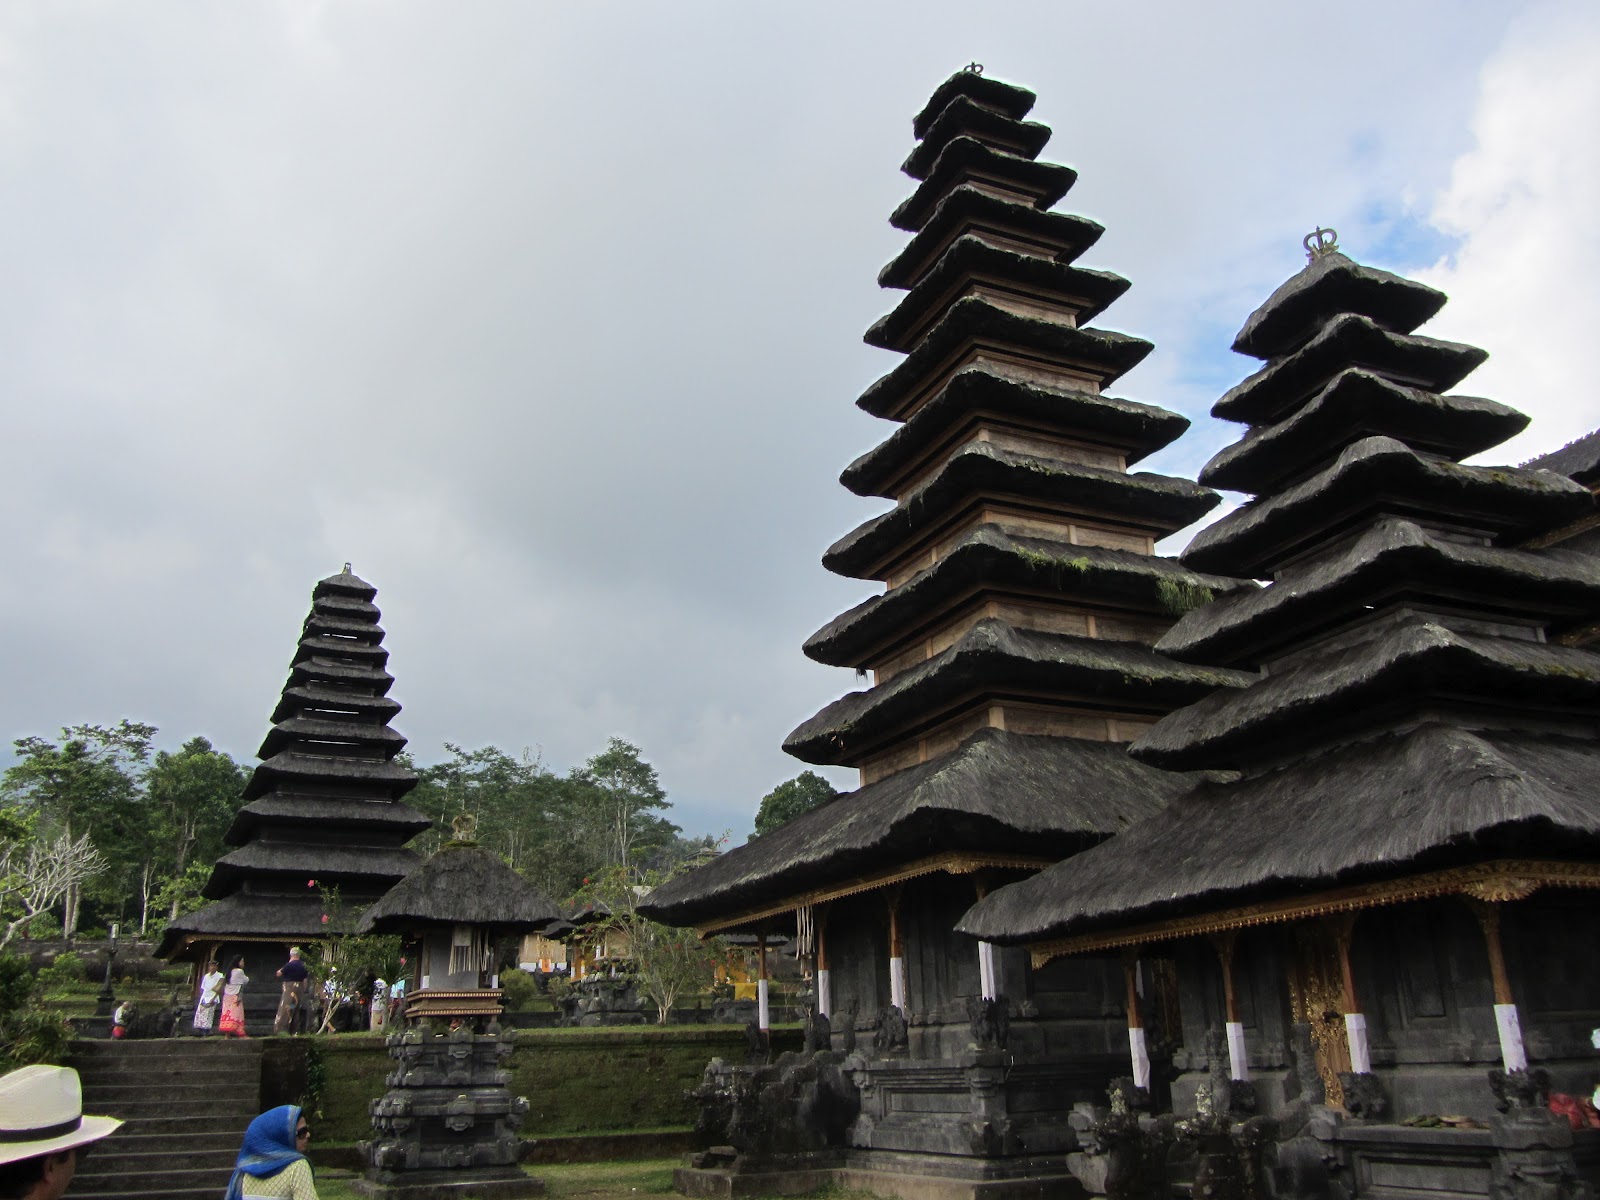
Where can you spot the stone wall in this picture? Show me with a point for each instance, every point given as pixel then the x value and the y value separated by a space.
pixel 576 1080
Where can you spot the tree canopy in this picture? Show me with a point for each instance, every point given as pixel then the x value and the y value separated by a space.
pixel 789 799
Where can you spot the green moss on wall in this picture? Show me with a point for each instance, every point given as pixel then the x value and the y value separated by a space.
pixel 576 1080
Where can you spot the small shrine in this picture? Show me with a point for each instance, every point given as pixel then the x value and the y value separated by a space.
pixel 1011 659
pixel 447 1126
pixel 1380 916
pixel 323 810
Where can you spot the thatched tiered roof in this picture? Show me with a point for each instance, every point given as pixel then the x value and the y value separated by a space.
pixel 323 808
pixel 1412 713
pixel 1011 650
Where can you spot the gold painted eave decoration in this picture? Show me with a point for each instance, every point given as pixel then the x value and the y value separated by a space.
pixel 1498 882
pixel 954 863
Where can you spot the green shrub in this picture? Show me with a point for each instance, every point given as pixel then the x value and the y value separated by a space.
pixel 66 970
pixel 520 989
pixel 29 1031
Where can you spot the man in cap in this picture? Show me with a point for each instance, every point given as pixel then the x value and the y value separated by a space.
pixel 42 1127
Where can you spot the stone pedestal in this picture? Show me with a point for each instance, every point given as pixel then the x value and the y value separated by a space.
pixel 447 1125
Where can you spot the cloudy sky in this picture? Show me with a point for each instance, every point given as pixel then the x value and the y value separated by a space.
pixel 548 317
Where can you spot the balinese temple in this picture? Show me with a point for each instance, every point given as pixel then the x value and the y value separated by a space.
pixel 1010 660
pixel 323 814
pixel 1394 894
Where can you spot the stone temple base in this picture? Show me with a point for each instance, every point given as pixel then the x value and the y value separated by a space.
pixel 727 1176
pixel 467 1183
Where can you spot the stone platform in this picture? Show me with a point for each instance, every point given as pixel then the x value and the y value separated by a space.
pixel 505 1184
pixel 727 1176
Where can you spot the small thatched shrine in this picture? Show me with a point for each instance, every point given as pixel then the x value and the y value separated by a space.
pixel 1387 911
pixel 1011 661
pixel 448 1124
pixel 323 814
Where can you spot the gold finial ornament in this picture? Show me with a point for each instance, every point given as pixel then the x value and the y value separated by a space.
pixel 1319 243
pixel 347 568
pixel 462 827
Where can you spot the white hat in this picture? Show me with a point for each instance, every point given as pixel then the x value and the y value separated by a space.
pixel 41 1112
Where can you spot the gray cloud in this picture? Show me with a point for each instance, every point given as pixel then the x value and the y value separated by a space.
pixel 548 318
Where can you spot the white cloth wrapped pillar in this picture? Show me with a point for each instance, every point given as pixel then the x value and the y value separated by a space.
pixel 897 961
pixel 1238 1058
pixel 763 1013
pixel 988 976
pixel 1513 1054
pixel 824 992
pixel 1138 1051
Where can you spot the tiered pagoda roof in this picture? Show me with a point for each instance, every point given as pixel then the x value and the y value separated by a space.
pixel 1412 709
pixel 1011 648
pixel 324 803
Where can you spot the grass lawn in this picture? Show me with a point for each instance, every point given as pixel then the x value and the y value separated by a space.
pixel 626 1180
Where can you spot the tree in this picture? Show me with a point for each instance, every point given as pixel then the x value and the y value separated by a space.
pixel 192 796
pixel 788 800
pixel 667 962
pixel 88 785
pixel 37 873
pixel 622 790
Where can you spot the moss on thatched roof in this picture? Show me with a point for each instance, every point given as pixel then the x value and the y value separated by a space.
pixel 989 557
pixel 1140 500
pixel 327 862
pixel 314 670
pixel 390 780
pixel 460 885
pixel 966 117
pixel 278 808
pixel 1395 561
pixel 298 697
pixel 968 209
pixel 1432 797
pixel 1007 99
pixel 998 793
pixel 1358 404
pixel 969 257
pixel 995 660
pixel 1375 477
pixel 1346 341
pixel 292 918
pixel 1099 352
pixel 346 585
pixel 1406 665
pixel 1579 460
pixel 1330 285
pixel 1045 183
pixel 975 393
pixel 296 731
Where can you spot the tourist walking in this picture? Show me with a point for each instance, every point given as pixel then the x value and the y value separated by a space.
pixel 42 1126
pixel 205 1010
pixel 272 1162
pixel 293 973
pixel 232 1024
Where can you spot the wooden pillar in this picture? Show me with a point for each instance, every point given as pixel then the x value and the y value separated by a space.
pixel 988 968
pixel 824 982
pixel 1513 1055
pixel 1238 1060
pixel 1355 1021
pixel 763 1012
pixel 1138 1051
pixel 897 959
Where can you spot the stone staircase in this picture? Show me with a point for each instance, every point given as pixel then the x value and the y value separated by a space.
pixel 186 1102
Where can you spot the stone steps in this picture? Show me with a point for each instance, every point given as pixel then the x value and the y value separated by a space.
pixel 186 1102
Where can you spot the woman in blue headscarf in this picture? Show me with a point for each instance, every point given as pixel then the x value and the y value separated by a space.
pixel 272 1161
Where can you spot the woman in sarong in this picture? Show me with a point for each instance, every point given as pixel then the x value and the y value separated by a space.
pixel 205 1011
pixel 232 1023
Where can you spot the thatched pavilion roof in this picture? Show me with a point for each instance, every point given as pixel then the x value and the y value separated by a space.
pixel 997 792
pixel 461 885
pixel 1403 802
